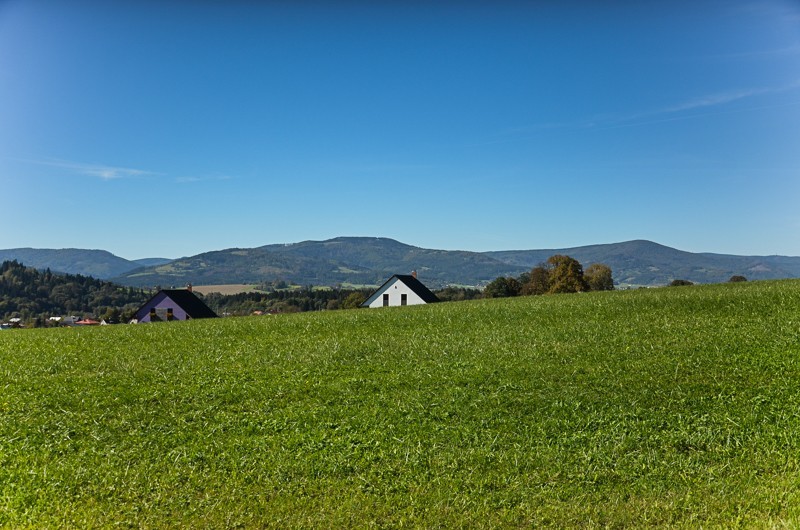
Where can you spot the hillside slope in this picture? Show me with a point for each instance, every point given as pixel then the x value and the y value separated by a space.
pixel 99 264
pixel 656 408
pixel 29 293
pixel 370 260
pixel 96 263
pixel 641 262
pixel 350 260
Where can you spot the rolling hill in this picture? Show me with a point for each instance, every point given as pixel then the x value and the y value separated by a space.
pixel 643 262
pixel 657 408
pixel 99 264
pixel 370 260
pixel 343 260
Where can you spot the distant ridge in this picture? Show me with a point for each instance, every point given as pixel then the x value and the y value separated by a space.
pixel 99 264
pixel 368 261
pixel 360 261
pixel 150 262
pixel 642 262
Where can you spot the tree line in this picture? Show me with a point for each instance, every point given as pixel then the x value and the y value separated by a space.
pixel 559 274
pixel 33 295
pixel 285 299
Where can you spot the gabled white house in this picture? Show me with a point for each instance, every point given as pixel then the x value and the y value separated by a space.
pixel 401 289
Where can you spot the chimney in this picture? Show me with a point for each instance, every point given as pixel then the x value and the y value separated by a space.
pixel 414 274
pixel 189 287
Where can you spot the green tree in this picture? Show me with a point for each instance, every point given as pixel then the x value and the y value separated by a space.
pixel 566 275
pixel 112 315
pixel 737 278
pixel 457 294
pixel 354 300
pixel 598 277
pixel 502 287
pixel 679 283
pixel 538 280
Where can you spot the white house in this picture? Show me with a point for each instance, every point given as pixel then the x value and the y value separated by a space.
pixel 401 289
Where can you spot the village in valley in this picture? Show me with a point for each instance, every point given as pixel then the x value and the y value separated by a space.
pixel 168 305
pixel 560 274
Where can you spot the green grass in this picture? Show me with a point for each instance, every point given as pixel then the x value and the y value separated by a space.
pixel 663 407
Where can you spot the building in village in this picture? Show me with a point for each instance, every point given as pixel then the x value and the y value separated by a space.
pixel 400 290
pixel 173 304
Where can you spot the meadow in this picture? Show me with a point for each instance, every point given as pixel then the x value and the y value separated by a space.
pixel 226 289
pixel 672 407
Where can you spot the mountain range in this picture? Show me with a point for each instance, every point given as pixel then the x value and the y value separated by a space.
pixel 99 264
pixel 368 261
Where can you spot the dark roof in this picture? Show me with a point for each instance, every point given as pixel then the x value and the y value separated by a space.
pixel 414 284
pixel 418 287
pixel 189 302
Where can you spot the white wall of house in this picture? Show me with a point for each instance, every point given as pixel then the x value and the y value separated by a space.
pixel 395 291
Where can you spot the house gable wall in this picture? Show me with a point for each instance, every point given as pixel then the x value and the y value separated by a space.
pixel 395 289
pixel 161 303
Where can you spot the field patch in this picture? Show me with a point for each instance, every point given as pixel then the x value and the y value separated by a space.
pixel 673 407
pixel 227 289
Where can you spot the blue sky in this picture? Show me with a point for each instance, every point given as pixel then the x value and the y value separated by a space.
pixel 157 128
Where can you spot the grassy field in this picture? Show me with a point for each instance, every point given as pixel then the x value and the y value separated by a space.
pixel 663 407
pixel 238 288
pixel 234 288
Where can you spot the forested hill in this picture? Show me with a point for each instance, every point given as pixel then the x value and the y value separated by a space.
pixel 96 263
pixel 29 293
pixel 344 260
pixel 642 262
pixel 370 260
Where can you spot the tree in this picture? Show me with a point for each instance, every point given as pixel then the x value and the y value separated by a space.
pixel 36 295
pixel 538 281
pixel 502 287
pixel 333 304
pixel 112 315
pixel 354 300
pixel 679 283
pixel 737 278
pixel 457 294
pixel 598 277
pixel 566 275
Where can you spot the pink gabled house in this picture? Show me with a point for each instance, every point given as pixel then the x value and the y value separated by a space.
pixel 173 304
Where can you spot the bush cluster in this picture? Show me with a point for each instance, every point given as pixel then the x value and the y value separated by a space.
pixel 559 274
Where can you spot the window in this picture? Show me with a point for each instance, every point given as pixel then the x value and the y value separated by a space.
pixel 404 299
pixel 385 300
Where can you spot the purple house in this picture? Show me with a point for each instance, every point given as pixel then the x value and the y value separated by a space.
pixel 173 304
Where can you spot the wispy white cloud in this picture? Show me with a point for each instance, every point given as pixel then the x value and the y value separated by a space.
pixel 709 100
pixel 190 180
pixel 681 109
pixel 100 171
pixel 779 11
pixel 721 98
pixel 705 105
pixel 106 172
pixel 774 53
